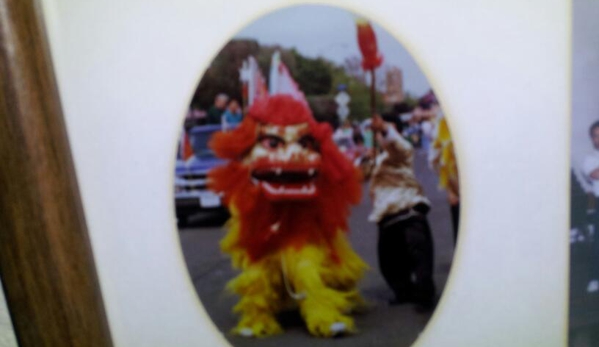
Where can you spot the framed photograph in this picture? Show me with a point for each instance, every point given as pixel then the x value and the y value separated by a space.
pixel 341 192
pixel 283 173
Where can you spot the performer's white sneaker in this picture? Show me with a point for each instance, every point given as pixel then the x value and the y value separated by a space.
pixel 338 328
pixel 593 286
pixel 246 332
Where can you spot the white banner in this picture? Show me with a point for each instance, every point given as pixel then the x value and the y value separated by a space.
pixel 251 75
pixel 281 81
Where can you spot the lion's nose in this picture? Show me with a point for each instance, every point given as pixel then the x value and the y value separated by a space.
pixel 292 152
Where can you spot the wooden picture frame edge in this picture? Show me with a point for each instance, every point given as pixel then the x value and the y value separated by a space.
pixel 46 260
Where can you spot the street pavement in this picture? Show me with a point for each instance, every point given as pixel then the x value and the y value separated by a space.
pixel 381 325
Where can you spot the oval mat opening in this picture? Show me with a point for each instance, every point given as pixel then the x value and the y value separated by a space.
pixel 316 185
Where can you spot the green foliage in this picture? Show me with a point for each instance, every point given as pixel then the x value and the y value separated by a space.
pixel 324 108
pixel 222 76
pixel 410 100
pixel 312 75
pixel 264 57
pixel 317 78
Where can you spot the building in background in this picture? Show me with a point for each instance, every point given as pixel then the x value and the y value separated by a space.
pixel 394 86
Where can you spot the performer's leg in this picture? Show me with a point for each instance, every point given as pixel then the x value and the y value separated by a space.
pixel 344 270
pixel 394 261
pixel 593 285
pixel 455 219
pixel 259 287
pixel 324 309
pixel 421 252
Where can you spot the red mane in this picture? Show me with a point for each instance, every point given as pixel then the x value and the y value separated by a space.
pixel 315 221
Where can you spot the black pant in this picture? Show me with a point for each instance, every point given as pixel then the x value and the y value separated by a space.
pixel 406 258
pixel 594 256
pixel 455 220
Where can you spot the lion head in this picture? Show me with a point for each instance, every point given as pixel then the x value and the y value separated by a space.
pixel 285 179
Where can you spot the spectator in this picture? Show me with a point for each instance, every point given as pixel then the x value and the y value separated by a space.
pixel 233 116
pixel 427 134
pixel 368 137
pixel 425 115
pixel 194 117
pixel 357 135
pixel 394 119
pixel 404 112
pixel 345 130
pixel 413 132
pixel 216 111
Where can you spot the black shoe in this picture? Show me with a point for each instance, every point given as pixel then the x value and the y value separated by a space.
pixel 396 302
pixel 400 300
pixel 426 305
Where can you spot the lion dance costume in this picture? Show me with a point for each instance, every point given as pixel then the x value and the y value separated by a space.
pixel 289 190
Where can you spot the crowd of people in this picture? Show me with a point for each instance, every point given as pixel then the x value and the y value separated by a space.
pixel 225 111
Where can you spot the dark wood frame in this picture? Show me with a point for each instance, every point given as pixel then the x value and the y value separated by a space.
pixel 46 261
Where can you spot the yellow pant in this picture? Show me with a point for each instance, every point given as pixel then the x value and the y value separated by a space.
pixel 323 289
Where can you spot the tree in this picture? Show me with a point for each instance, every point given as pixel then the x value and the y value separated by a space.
pixel 410 100
pixel 313 75
pixel 324 108
pixel 222 76
pixel 264 59
pixel 353 68
pixel 318 78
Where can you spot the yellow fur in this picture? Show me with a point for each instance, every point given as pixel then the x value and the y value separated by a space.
pixel 445 161
pixel 324 289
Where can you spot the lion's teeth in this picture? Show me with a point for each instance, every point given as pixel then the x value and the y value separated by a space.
pixel 311 172
pixel 278 171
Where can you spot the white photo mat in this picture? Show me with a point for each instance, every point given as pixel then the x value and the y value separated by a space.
pixel 501 68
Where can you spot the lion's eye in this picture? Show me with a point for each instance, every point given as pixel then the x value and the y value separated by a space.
pixel 272 142
pixel 308 142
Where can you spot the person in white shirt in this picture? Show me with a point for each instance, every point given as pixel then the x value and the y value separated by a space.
pixel 590 168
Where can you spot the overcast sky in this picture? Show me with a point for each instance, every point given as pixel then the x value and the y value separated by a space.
pixel 316 30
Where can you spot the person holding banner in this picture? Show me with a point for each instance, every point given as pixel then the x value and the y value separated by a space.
pixel 405 245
